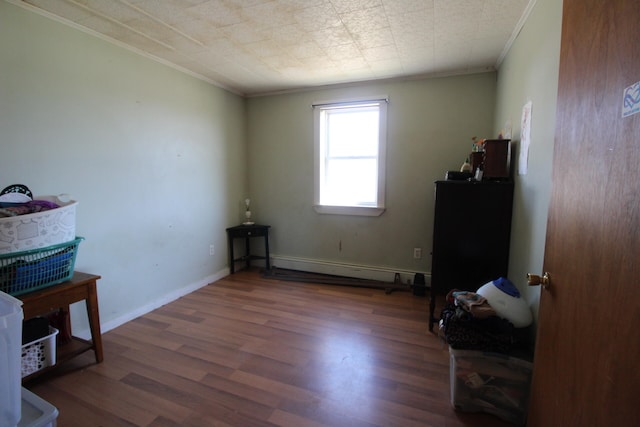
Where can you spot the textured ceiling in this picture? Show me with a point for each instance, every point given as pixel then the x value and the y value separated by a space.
pixel 263 46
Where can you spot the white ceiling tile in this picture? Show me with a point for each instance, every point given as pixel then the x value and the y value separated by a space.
pixel 269 15
pixel 249 3
pixel 420 21
pixel 386 69
pixel 333 36
pixel 306 50
pixel 277 62
pixel 318 17
pixel 217 13
pixel 372 39
pixel 342 6
pixel 253 46
pixel 289 35
pixel 503 10
pixel 394 7
pixel 365 20
pixel 265 48
pixel 355 63
pixel 244 33
pixel 206 58
pixel 302 4
pixel 317 63
pixel 344 52
pixel 380 53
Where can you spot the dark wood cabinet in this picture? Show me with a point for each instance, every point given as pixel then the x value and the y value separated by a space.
pixel 471 235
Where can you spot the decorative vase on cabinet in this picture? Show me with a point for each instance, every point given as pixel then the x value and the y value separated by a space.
pixel 471 236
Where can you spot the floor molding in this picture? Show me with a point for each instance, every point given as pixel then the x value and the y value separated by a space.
pixel 380 274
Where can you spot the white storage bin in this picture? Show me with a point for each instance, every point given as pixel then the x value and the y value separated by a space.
pixel 37 412
pixel 490 382
pixel 39 354
pixel 10 340
pixel 41 229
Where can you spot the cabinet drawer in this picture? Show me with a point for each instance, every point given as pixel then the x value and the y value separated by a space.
pixel 248 231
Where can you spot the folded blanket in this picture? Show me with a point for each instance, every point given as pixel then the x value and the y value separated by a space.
pixel 474 303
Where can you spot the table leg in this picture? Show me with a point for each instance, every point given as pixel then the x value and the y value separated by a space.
pixel 432 307
pixel 231 257
pixel 94 320
pixel 64 329
pixel 248 252
pixel 266 251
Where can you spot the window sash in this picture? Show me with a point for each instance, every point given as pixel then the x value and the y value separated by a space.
pixel 334 185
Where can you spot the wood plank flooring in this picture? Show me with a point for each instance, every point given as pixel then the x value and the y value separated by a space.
pixel 251 352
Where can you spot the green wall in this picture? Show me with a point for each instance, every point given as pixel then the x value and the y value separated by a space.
pixel 156 158
pixel 530 73
pixel 430 125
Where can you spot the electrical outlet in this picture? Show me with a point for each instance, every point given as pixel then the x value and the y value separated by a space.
pixel 212 250
pixel 417 253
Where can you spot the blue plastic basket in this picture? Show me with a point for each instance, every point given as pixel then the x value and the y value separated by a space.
pixel 27 271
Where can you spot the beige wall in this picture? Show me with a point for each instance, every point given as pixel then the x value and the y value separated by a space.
pixel 155 158
pixel 430 125
pixel 530 73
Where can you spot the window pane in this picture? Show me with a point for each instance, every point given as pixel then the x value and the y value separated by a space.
pixel 352 133
pixel 350 182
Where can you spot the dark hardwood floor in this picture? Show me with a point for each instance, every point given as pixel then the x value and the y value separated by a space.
pixel 248 351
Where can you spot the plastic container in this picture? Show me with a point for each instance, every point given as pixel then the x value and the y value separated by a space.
pixel 41 229
pixel 39 354
pixel 27 271
pixel 37 412
pixel 494 383
pixel 10 340
pixel 505 299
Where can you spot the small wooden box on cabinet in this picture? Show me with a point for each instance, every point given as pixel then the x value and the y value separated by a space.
pixel 496 161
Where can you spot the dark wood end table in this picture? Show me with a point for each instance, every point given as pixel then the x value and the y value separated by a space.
pixel 247 231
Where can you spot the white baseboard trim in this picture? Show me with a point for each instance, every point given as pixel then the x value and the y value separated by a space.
pixel 165 299
pixel 382 274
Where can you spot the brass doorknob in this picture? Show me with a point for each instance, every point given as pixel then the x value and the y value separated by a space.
pixel 535 280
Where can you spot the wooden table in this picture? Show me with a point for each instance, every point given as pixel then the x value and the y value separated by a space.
pixel 82 286
pixel 246 232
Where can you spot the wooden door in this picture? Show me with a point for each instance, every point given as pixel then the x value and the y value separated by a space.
pixel 587 361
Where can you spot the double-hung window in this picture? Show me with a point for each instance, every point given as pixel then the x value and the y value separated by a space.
pixel 350 150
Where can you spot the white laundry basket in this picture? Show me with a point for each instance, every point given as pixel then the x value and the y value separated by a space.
pixel 41 229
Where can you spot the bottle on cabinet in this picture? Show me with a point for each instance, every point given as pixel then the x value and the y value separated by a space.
pixel 466 166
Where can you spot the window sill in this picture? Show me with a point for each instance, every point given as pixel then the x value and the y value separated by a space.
pixel 349 210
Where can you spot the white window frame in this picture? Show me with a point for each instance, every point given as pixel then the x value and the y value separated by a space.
pixel 363 210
